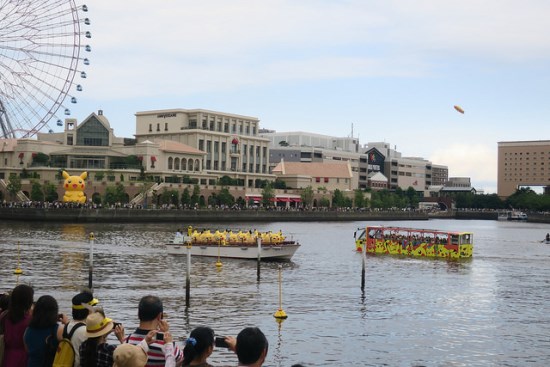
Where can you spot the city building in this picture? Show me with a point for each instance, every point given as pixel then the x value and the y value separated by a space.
pixel 440 174
pixel 523 164
pixel 313 148
pixel 371 170
pixel 326 175
pixel 231 142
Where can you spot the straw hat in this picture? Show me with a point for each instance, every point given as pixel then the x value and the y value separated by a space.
pixel 98 325
pixel 129 355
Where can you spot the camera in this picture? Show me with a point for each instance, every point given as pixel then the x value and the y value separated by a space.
pixel 115 324
pixel 220 342
pixel 160 336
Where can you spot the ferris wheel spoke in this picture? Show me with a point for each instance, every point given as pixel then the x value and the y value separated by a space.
pixel 40 48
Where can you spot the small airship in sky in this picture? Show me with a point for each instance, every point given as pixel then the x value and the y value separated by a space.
pixel 459 109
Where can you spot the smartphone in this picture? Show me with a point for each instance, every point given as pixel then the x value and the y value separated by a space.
pixel 160 336
pixel 220 342
pixel 115 324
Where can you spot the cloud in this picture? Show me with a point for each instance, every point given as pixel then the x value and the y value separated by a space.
pixel 193 47
pixel 476 161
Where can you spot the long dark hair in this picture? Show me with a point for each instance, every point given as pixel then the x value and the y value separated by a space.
pixel 20 302
pixel 45 312
pixel 198 342
pixel 88 353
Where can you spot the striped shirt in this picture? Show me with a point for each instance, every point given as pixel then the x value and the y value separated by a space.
pixel 155 356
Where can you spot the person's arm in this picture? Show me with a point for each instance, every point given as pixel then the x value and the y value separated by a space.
pixel 169 347
pixel 119 333
pixel 231 343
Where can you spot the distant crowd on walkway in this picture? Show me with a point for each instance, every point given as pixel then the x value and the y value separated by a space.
pixel 235 207
pixel 35 334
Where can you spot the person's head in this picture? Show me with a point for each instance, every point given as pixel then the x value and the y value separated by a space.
pixel 4 301
pixel 252 346
pixel 80 303
pixel 20 302
pixel 199 344
pixel 98 325
pixel 45 312
pixel 129 355
pixel 150 307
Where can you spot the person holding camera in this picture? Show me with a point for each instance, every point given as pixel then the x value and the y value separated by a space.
pixel 198 347
pixel 151 317
pixel 95 351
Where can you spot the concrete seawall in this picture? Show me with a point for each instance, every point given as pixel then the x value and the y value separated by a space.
pixel 196 216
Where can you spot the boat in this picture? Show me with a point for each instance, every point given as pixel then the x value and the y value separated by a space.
pixel 515 215
pixel 414 242
pixel 233 244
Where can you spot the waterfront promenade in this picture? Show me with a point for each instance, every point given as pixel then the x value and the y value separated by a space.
pixel 139 215
pixel 125 215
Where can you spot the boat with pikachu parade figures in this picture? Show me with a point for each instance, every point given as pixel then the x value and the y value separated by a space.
pixel 414 242
pixel 227 243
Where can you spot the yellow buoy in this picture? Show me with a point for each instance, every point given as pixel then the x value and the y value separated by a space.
pixel 280 313
pixel 18 270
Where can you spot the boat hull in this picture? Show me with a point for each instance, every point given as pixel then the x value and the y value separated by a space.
pixel 283 251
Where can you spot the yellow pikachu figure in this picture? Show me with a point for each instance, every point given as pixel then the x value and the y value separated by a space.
pixel 74 188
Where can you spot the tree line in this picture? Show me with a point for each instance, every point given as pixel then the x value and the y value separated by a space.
pixel 523 198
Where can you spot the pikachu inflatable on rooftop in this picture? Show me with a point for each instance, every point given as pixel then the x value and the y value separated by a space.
pixel 74 188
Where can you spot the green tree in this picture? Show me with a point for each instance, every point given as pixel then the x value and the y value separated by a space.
pixel 115 194
pixel 324 202
pixel 50 192
pixel 185 197
pixel 36 192
pixel 169 197
pixel 195 195
pixel 268 194
pixel 225 197
pixel 14 186
pixel 307 196
pixel 338 199
pixel 412 196
pixel 359 199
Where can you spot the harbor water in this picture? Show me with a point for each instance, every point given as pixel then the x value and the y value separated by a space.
pixel 491 310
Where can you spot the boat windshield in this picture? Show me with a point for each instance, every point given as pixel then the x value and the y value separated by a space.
pixel 466 238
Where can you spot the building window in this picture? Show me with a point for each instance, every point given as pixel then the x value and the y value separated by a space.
pixel 165 126
pixel 150 128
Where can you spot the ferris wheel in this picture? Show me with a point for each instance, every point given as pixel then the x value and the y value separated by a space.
pixel 40 57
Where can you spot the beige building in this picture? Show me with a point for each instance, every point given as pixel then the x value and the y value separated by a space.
pixel 330 176
pixel 522 163
pixel 231 142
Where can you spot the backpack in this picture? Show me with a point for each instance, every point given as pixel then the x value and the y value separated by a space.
pixel 65 354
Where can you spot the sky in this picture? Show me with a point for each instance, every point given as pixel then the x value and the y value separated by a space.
pixel 385 71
